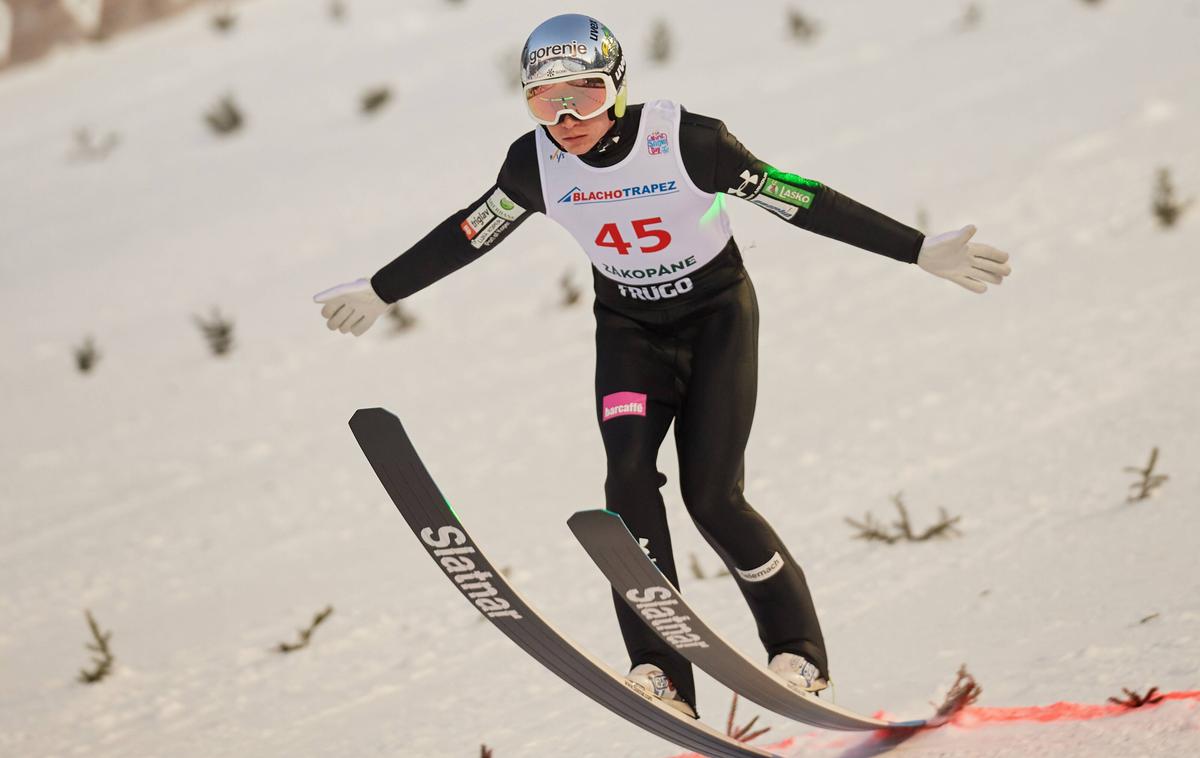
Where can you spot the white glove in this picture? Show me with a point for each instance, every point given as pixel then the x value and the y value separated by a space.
pixel 968 264
pixel 352 307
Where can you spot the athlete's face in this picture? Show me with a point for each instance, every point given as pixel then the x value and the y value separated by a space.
pixel 576 136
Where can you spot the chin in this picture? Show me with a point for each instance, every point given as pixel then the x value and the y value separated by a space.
pixel 576 147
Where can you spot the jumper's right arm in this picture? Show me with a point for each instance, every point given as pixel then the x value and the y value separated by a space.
pixel 463 237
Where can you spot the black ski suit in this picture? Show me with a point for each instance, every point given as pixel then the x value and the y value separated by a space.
pixel 695 357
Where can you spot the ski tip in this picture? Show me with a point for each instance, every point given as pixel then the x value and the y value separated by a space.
pixel 592 515
pixel 579 518
pixel 367 415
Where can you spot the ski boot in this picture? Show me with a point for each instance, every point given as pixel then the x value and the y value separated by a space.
pixel 650 679
pixel 798 673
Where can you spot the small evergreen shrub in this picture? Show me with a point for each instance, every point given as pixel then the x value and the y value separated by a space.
pixel 972 17
pixel 402 319
pixel 1167 209
pixel 801 28
pixel 224 20
pixel 571 294
pixel 86 356
pixel 873 531
pixel 102 659
pixel 1147 482
pixel 373 100
pixel 217 331
pixel 660 43
pixel 225 118
pixel 306 633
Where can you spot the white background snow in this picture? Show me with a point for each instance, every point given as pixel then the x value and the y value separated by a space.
pixel 203 509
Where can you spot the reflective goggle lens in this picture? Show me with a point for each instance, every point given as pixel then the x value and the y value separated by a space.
pixel 583 97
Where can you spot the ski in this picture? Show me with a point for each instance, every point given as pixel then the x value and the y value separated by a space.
pixel 636 579
pixel 406 480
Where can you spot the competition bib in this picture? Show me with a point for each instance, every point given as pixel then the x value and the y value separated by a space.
pixel 641 221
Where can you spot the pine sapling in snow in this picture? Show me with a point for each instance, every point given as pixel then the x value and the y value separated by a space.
pixel 871 530
pixel 1167 209
pixel 402 319
pixel 509 74
pixel 742 733
pixel 570 292
pixel 102 661
pixel 660 42
pixel 1134 700
pixel 224 20
pixel 217 331
pixel 373 100
pixel 1149 481
pixel 964 692
pixel 86 355
pixel 305 634
pixel 801 27
pixel 972 17
pixel 225 118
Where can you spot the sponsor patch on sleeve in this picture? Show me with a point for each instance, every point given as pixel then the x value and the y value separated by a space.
pixel 479 218
pixel 490 233
pixel 787 193
pixel 782 210
pixel 750 187
pixel 504 206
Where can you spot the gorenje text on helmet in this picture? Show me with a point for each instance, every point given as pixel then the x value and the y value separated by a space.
pixel 574 47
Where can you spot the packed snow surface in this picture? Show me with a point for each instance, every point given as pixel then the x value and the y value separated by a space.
pixel 203 509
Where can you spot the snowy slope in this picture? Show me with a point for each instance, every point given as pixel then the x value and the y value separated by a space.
pixel 204 509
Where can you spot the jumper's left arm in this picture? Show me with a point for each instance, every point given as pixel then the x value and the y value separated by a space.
pixel 717 162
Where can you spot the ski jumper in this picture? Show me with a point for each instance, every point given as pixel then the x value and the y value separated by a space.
pixel 676 333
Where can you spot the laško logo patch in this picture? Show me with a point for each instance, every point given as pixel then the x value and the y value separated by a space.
pixel 623 404
pixel 657 143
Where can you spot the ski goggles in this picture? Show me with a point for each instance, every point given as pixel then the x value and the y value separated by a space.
pixel 583 96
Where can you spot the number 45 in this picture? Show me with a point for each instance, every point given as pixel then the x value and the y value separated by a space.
pixel 610 236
